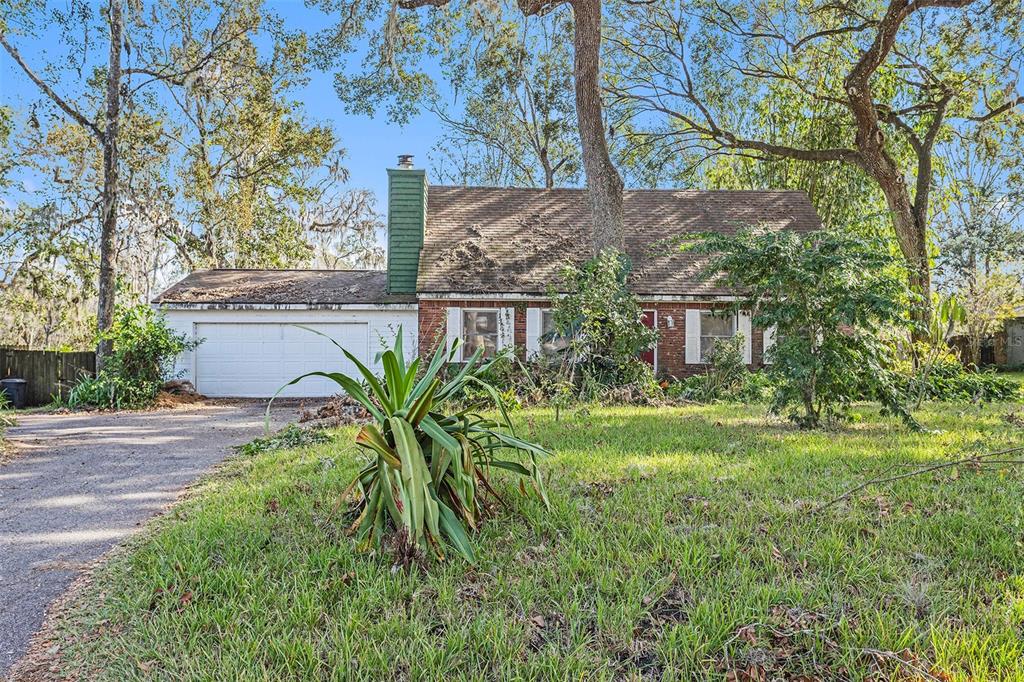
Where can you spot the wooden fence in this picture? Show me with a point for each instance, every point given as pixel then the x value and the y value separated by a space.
pixel 48 373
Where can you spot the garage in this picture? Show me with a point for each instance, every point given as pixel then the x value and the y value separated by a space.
pixel 255 359
pixel 250 327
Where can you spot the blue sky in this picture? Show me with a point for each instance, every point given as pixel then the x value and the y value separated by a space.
pixel 373 143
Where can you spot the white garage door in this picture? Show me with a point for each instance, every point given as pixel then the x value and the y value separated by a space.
pixel 254 360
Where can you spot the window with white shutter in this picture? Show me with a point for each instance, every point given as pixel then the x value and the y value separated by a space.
pixel 533 332
pixel 714 326
pixel 454 331
pixel 506 328
pixel 480 330
pixel 692 331
pixel 748 337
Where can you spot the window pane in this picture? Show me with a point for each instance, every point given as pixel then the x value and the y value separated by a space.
pixel 480 330
pixel 548 343
pixel 715 325
pixel 547 321
pixel 707 343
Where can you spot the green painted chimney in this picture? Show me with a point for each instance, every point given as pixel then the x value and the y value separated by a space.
pixel 407 210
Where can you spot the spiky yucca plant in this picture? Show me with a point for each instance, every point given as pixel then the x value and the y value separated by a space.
pixel 431 453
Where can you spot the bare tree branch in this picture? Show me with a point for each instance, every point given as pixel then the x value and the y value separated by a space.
pixel 49 91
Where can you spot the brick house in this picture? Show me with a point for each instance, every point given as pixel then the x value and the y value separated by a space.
pixel 473 263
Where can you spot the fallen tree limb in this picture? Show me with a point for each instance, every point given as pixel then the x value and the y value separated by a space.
pixel 973 459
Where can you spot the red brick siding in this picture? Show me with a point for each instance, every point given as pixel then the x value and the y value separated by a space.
pixel 672 342
pixel 433 320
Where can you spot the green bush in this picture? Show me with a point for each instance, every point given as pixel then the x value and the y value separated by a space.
pixel 431 451
pixel 828 296
pixel 949 380
pixel 603 323
pixel 6 412
pixel 143 353
pixel 726 373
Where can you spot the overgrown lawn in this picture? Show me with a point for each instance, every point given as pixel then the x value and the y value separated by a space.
pixel 681 545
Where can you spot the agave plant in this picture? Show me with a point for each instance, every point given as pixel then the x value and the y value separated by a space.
pixel 431 451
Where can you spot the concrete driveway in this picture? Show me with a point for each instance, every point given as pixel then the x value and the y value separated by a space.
pixel 83 482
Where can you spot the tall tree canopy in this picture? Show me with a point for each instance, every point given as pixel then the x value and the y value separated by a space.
pixel 199 155
pixel 871 85
pixel 396 40
pixel 511 120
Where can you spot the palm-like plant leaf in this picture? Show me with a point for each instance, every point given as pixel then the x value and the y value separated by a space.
pixel 430 467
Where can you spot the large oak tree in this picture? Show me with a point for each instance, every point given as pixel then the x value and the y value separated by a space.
pixel 892 79
pixel 399 39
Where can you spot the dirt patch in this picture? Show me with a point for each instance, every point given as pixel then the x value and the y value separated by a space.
pixel 165 400
pixel 339 410
pixel 1015 418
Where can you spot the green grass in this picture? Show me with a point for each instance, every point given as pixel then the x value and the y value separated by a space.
pixel 1014 376
pixel 679 545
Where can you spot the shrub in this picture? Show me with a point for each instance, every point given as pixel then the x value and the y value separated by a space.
pixel 6 420
pixel 430 462
pixel 827 295
pixel 603 322
pixel 949 380
pixel 143 353
pixel 726 372
pixel 727 378
pixel 6 412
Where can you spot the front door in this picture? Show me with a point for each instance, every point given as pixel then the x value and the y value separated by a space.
pixel 650 319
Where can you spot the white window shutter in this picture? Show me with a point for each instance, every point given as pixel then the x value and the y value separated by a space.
pixel 506 328
pixel 454 331
pixel 692 336
pixel 533 332
pixel 767 341
pixel 744 328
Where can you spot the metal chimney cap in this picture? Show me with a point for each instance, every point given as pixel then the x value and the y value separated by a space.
pixel 405 160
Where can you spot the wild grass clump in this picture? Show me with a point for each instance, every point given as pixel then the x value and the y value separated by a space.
pixel 291 436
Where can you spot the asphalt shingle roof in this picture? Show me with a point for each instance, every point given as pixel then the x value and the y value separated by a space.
pixel 312 287
pixel 504 240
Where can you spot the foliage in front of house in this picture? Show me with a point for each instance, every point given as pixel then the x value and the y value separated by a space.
pixel 948 380
pixel 726 379
pixel 827 296
pixel 602 322
pixel 431 452
pixel 144 349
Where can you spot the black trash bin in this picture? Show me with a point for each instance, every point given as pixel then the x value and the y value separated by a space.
pixel 16 391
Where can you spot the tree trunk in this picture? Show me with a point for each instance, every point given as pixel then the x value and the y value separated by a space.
pixel 911 235
pixel 549 172
pixel 909 218
pixel 604 185
pixel 108 217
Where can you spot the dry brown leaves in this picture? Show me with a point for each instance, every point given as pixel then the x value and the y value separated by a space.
pixel 339 410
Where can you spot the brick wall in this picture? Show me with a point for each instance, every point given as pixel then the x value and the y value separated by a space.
pixel 671 339
pixel 434 319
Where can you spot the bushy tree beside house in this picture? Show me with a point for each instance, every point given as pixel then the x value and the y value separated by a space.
pixel 142 357
pixel 826 298
pixel 602 324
